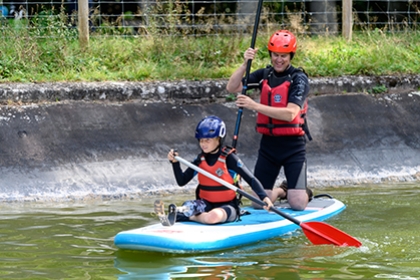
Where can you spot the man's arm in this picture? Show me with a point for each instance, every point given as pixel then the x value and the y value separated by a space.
pixel 284 114
pixel 235 81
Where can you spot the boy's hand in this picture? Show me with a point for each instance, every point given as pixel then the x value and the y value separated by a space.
pixel 268 203
pixel 171 156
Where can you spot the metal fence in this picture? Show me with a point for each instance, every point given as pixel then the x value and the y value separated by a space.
pixel 213 17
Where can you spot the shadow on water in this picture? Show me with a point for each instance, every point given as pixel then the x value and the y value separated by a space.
pixel 289 258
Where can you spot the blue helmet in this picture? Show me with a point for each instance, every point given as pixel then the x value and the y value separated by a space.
pixel 210 127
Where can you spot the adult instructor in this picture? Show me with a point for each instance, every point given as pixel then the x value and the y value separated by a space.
pixel 281 119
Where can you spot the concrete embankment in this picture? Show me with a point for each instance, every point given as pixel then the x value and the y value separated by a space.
pixel 64 141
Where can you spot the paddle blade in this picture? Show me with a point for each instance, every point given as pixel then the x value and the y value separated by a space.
pixel 321 233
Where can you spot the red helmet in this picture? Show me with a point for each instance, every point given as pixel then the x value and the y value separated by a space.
pixel 282 41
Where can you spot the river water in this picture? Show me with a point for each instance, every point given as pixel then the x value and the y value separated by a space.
pixel 74 240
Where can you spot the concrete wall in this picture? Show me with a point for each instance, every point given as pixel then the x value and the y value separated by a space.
pixel 110 140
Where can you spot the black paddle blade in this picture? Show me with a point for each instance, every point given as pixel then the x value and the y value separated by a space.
pixel 321 233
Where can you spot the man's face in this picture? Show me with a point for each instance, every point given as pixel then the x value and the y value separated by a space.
pixel 280 61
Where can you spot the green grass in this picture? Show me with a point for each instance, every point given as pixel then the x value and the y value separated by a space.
pixel 25 58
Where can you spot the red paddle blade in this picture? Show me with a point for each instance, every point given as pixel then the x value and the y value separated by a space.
pixel 321 233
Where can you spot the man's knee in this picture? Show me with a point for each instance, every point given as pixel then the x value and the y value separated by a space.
pixel 298 199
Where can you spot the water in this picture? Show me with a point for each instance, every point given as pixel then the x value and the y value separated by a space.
pixel 75 241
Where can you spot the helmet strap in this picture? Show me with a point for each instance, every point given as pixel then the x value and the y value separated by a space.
pixel 215 150
pixel 218 146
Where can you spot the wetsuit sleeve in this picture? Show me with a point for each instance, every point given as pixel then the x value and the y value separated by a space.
pixel 299 89
pixel 183 177
pixel 255 78
pixel 234 163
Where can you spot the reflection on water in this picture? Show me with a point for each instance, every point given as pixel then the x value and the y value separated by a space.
pixel 75 241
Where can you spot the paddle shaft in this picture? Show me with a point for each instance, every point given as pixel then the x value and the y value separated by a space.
pixel 236 189
pixel 248 69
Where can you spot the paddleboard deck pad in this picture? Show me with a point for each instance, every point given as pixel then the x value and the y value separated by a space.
pixel 192 237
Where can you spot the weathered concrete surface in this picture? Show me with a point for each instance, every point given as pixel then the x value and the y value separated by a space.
pixel 89 140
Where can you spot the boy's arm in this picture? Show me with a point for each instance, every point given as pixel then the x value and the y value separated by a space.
pixel 234 163
pixel 182 178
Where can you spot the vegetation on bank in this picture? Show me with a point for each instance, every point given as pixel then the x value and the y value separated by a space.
pixel 27 58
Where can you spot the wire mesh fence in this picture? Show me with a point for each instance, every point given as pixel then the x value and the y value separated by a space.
pixel 202 18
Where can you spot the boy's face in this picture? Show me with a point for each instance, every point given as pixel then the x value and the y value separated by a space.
pixel 209 144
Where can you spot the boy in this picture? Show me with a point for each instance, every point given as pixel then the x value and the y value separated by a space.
pixel 214 202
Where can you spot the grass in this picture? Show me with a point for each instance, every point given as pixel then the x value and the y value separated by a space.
pixel 26 58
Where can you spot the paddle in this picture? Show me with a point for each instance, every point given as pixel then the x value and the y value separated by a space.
pixel 318 233
pixel 248 69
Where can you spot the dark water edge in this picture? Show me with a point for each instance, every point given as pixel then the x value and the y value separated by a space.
pixel 74 240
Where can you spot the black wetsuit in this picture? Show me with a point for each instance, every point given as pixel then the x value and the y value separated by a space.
pixel 286 151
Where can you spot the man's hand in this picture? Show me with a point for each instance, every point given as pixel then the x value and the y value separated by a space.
pixel 244 101
pixel 250 54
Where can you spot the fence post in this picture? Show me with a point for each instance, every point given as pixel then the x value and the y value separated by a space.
pixel 347 19
pixel 83 14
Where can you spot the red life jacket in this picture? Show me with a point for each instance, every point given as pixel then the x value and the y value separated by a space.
pixel 278 97
pixel 211 190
